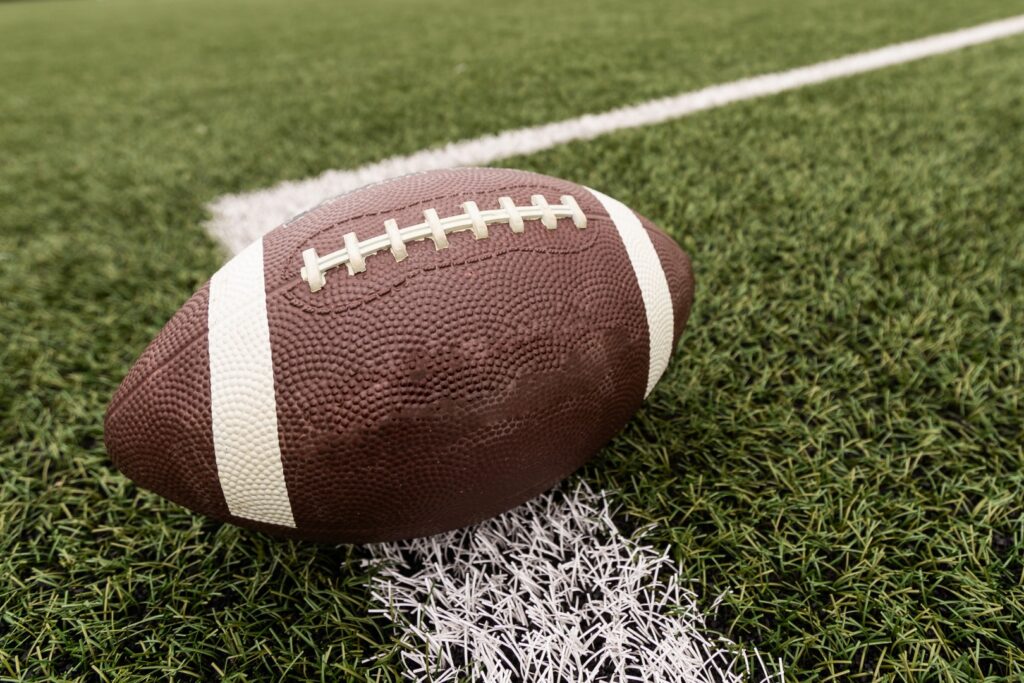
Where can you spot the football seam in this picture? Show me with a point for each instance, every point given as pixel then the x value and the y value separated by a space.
pixel 285 288
pixel 289 267
pixel 284 284
pixel 395 239
pixel 292 295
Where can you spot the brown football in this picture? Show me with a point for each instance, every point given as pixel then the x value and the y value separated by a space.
pixel 405 359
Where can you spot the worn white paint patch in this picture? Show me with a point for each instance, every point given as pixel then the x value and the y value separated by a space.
pixel 239 219
pixel 551 591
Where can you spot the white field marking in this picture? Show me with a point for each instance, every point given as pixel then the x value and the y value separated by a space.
pixel 550 591
pixel 243 405
pixel 239 219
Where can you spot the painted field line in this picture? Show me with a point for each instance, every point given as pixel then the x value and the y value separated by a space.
pixel 239 219
pixel 551 591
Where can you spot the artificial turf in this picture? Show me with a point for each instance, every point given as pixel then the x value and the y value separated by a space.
pixel 837 443
pixel 841 438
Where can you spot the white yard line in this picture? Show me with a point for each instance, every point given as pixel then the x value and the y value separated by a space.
pixel 240 218
pixel 551 590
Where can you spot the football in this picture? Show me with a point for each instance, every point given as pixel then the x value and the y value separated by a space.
pixel 405 359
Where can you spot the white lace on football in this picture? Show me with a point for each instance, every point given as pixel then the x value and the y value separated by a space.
pixel 435 228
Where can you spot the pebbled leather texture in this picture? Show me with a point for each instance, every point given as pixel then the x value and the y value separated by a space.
pixel 420 395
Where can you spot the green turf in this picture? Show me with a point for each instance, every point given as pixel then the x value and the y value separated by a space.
pixel 841 437
pixel 838 442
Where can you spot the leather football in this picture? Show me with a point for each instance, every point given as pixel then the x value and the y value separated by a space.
pixel 405 359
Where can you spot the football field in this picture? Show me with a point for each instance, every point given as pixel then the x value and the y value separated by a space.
pixel 833 463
